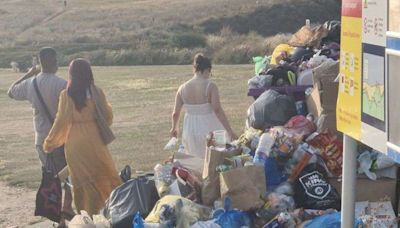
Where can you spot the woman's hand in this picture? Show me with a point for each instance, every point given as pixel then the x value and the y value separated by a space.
pixel 174 132
pixel 47 149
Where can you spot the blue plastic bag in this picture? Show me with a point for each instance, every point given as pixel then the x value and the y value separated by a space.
pixel 228 218
pixel 273 174
pixel 332 220
pixel 138 221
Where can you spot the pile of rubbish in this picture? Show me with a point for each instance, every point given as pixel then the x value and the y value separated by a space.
pixel 292 64
pixel 284 171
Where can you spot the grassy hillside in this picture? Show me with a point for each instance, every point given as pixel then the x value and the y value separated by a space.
pixel 125 32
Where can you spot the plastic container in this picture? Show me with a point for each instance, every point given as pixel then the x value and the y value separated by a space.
pixel 162 178
pixel 220 138
pixel 181 149
pixel 264 148
pixel 305 78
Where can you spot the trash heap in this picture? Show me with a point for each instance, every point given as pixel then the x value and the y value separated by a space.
pixel 284 171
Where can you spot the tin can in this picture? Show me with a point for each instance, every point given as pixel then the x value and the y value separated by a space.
pixel 223 168
pixel 301 108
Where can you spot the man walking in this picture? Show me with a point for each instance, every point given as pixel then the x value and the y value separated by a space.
pixel 50 87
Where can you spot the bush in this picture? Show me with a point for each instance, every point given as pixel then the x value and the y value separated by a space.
pixel 188 40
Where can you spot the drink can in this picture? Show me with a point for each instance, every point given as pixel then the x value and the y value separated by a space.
pixel 301 108
pixel 223 168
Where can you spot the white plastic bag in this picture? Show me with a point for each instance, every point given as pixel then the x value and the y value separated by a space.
pixel 171 143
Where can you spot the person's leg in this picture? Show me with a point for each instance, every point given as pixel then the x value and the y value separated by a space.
pixel 67 204
pixel 41 154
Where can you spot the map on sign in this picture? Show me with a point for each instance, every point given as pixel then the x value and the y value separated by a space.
pixel 373 93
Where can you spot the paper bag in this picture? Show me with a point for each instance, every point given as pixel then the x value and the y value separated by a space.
pixel 244 186
pixel 210 190
pixel 193 163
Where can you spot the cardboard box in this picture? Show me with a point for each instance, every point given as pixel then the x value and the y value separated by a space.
pixel 313 102
pixel 323 97
pixel 369 190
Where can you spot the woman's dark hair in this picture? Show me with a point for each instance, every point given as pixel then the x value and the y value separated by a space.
pixel 201 63
pixel 80 79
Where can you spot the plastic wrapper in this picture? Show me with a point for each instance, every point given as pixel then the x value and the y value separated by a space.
pixel 379 215
pixel 273 173
pixel 138 222
pixel 331 150
pixel 239 160
pixel 286 142
pixel 260 63
pixel 171 144
pixel 280 200
pixel 331 220
pixel 205 224
pixel 284 220
pixel 165 208
pixel 228 217
pixel 381 162
pixel 365 162
pixel 301 125
pixel 303 155
pixel 248 141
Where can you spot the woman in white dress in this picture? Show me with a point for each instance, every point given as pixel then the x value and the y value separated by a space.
pixel 204 114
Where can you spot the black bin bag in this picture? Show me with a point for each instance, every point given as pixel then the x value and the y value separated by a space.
pixel 313 191
pixel 270 109
pixel 139 194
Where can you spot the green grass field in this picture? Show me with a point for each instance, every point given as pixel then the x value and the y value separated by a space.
pixel 142 99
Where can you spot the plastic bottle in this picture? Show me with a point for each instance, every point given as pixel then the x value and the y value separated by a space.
pixel 264 148
pixel 307 154
pixel 162 178
pixel 181 149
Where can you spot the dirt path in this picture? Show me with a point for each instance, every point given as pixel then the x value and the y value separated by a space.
pixel 17 206
pixel 43 21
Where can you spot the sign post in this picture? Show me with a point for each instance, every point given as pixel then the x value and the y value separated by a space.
pixel 349 182
pixel 349 102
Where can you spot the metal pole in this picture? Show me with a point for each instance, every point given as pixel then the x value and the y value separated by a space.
pixel 349 181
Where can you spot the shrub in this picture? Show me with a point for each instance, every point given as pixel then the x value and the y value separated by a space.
pixel 188 40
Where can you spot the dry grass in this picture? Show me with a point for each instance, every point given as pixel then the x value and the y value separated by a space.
pixel 142 99
pixel 106 20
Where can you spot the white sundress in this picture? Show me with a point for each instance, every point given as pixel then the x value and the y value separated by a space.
pixel 199 121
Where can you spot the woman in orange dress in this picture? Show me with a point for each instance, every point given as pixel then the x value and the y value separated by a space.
pixel 91 167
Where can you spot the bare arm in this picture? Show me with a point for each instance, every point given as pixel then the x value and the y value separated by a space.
pixel 62 124
pixel 32 72
pixel 216 104
pixel 176 113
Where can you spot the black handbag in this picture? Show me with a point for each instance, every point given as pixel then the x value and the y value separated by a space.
pixel 49 195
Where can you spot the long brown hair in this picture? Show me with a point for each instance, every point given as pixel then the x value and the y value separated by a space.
pixel 80 79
